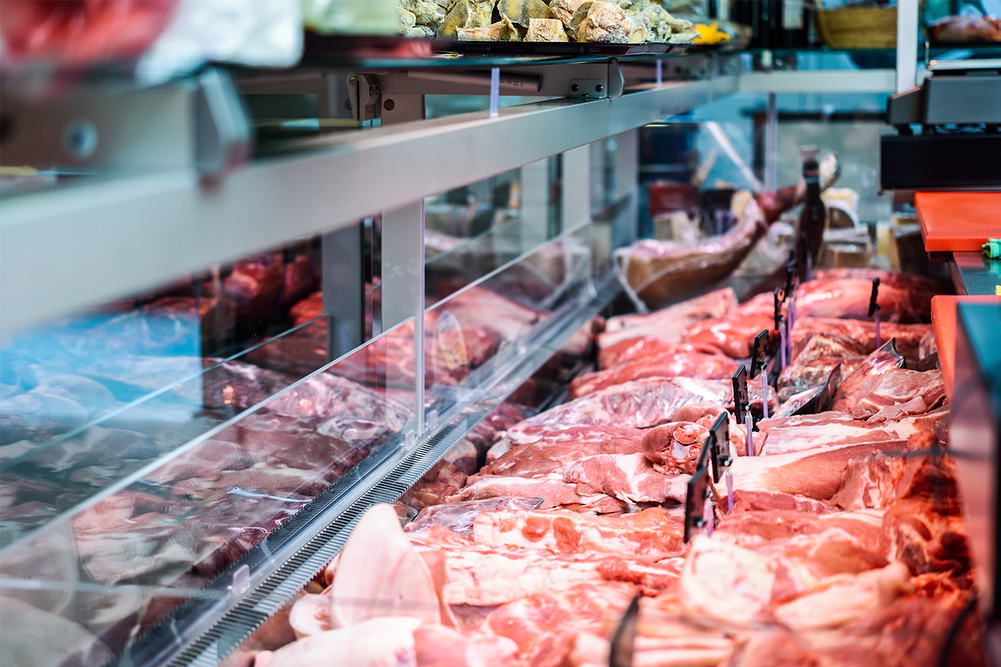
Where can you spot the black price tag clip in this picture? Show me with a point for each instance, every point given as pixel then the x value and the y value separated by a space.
pixel 790 276
pixel 719 446
pixel 620 652
pixel 779 298
pixel 759 361
pixel 695 501
pixel 741 405
pixel 874 297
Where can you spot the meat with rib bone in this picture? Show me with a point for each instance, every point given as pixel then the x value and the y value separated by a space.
pixel 650 535
pixel 682 364
pixel 900 393
pixel 907 336
pixel 638 404
pixel 632 349
pixel 669 323
pixel 627 477
pixel 863 379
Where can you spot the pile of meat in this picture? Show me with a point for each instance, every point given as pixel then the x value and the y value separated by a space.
pixel 846 544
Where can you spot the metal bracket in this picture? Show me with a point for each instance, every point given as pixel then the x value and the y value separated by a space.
pixel 365 94
pixel 589 88
pixel 222 131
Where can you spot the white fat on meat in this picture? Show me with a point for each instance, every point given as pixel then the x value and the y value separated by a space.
pixel 669 323
pixel 845 598
pixel 379 642
pixel 651 534
pixel 725 585
pixel 381 574
pixel 627 477
pixel 438 646
pixel 310 615
pixel 899 393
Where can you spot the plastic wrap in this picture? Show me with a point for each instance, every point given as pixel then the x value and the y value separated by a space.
pixel 459 517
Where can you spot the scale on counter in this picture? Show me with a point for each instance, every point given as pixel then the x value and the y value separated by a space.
pixel 948 129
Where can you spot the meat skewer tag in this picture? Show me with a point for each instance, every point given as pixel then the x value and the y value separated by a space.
pixel 719 455
pixel 779 298
pixel 824 397
pixel 874 309
pixel 742 404
pixel 759 365
pixel 620 652
pixel 698 504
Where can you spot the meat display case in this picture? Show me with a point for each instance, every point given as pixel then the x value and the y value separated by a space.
pixel 143 553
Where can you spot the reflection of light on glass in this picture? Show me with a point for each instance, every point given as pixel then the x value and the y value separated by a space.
pixel 727 146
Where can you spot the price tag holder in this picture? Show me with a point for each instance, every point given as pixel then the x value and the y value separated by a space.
pixel 741 404
pixel 759 350
pixel 778 299
pixel 620 652
pixel 790 277
pixel 695 503
pixel 719 456
pixel 874 309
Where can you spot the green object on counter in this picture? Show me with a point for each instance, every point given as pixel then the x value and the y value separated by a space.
pixel 992 249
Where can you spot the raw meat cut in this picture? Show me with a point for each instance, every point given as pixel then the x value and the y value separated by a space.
pixel 681 364
pixel 814 474
pixel 460 517
pixel 828 345
pixel 732 336
pixel 674 448
pixel 631 349
pixel 801 376
pixel 847 296
pixel 907 336
pixel 864 379
pixel 638 404
pixel 899 393
pixel 550 451
pixel 651 534
pixel 726 585
pixel 829 431
pixel 667 325
pixel 627 477
pixel 388 640
pixel 903 281
pixel 206 461
pixel 553 492
pixel 661 272
pixel 380 574
pixel 485 577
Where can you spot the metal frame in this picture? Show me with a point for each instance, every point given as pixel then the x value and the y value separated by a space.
pixel 142 231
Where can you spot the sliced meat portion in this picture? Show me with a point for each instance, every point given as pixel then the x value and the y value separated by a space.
pixel 847 296
pixel 666 365
pixel 631 349
pixel 734 336
pixel 830 431
pixel 899 393
pixel 638 404
pixel 801 376
pixel 813 473
pixel 627 477
pixel 651 534
pixel 825 345
pixel 549 451
pixel 863 379
pixel 907 336
pixel 553 492
pixel 669 323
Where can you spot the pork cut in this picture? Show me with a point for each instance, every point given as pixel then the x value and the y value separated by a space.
pixel 549 451
pixel 907 336
pixel 651 534
pixel 669 323
pixel 627 477
pixel 863 380
pixel 829 431
pixel 899 393
pixel 637 404
pixel 847 296
pixel 681 364
pixel 674 448
pixel 631 349
pixel 802 376
pixel 552 492
pixel 734 334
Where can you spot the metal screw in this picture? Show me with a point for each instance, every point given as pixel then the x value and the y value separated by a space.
pixel 599 87
pixel 389 105
pixel 80 139
pixel 575 87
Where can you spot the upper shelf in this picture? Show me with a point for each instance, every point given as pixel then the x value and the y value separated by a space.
pixel 146 229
